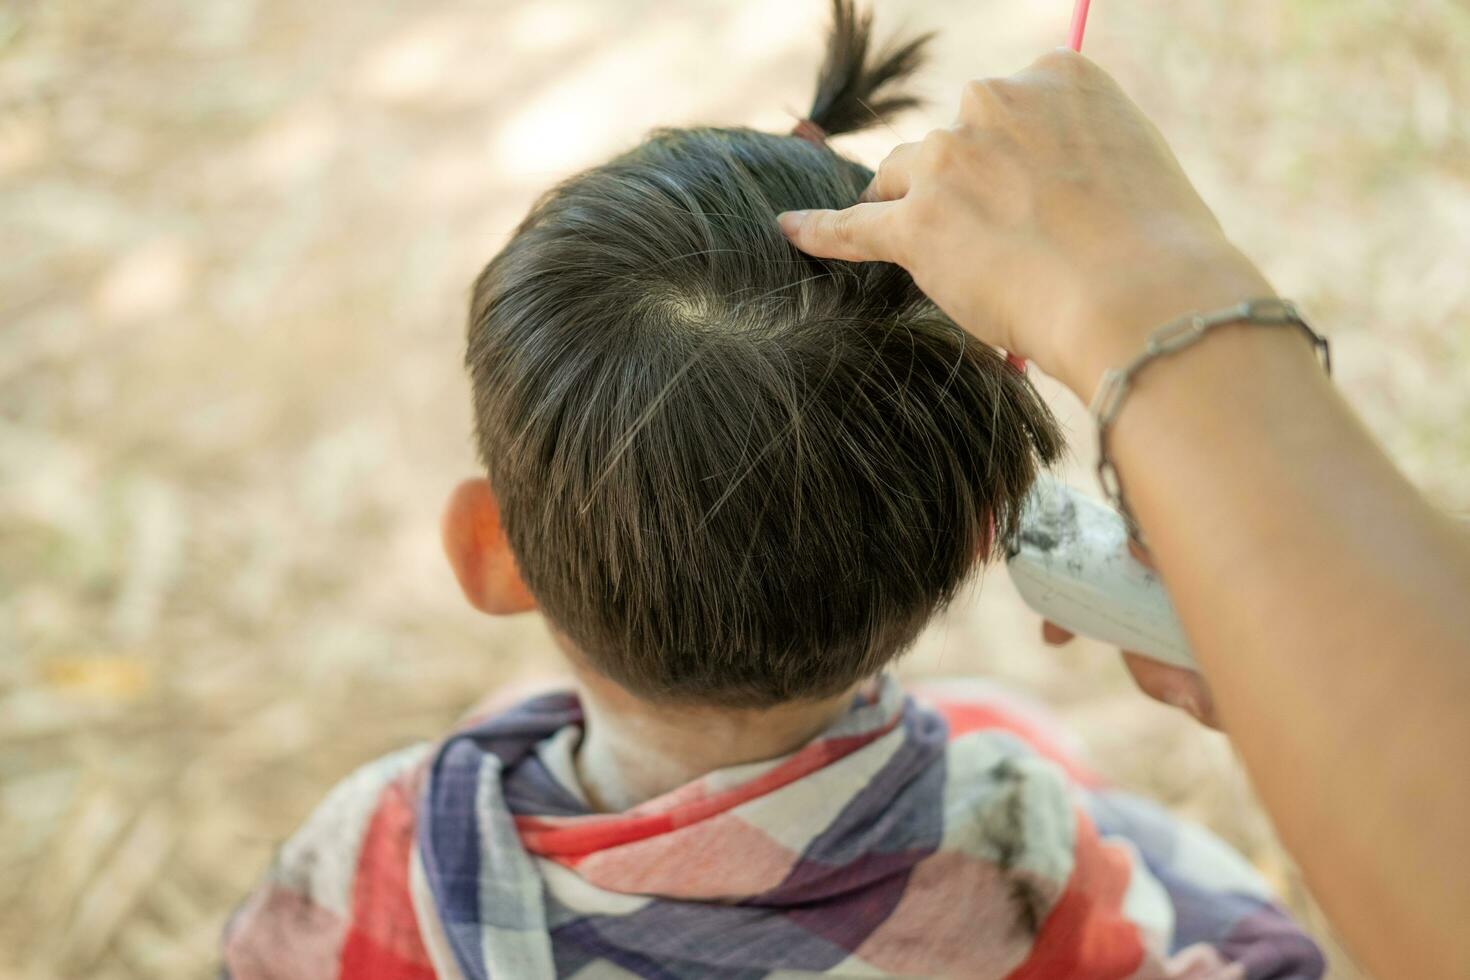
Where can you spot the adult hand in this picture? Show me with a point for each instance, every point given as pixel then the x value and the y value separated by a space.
pixel 1051 219
pixel 1178 687
pixel 1322 595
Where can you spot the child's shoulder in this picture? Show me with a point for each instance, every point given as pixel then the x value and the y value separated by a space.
pixel 322 857
pixel 339 887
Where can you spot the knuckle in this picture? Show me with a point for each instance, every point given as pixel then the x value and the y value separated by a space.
pixel 1006 94
pixel 1068 63
pixel 841 229
pixel 983 98
pixel 808 234
pixel 976 91
pixel 1065 66
pixel 939 148
pixel 1058 60
pixel 884 175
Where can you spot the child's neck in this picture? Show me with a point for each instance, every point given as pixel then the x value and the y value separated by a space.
pixel 633 751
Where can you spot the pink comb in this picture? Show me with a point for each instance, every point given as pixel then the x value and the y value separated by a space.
pixel 1079 24
pixel 1074 41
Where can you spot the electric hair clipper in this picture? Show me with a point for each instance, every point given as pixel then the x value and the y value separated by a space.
pixel 1071 564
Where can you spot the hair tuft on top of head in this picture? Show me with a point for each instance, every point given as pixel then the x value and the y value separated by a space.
pixel 855 87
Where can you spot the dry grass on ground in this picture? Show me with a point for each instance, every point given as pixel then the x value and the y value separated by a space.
pixel 236 240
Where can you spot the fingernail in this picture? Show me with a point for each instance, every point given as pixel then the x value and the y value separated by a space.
pixel 791 221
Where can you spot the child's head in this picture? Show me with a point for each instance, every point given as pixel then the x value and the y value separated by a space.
pixel 729 473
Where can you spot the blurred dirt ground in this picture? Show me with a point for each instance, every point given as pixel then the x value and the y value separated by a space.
pixel 235 241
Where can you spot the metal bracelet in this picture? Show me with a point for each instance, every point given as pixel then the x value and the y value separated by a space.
pixel 1172 337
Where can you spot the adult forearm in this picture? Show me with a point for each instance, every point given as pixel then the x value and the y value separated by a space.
pixel 1304 567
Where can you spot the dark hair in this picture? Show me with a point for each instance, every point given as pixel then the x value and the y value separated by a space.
pixel 731 473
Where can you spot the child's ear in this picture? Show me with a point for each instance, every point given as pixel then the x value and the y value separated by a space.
pixel 477 549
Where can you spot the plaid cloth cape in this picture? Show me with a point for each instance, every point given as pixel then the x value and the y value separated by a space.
pixel 946 833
